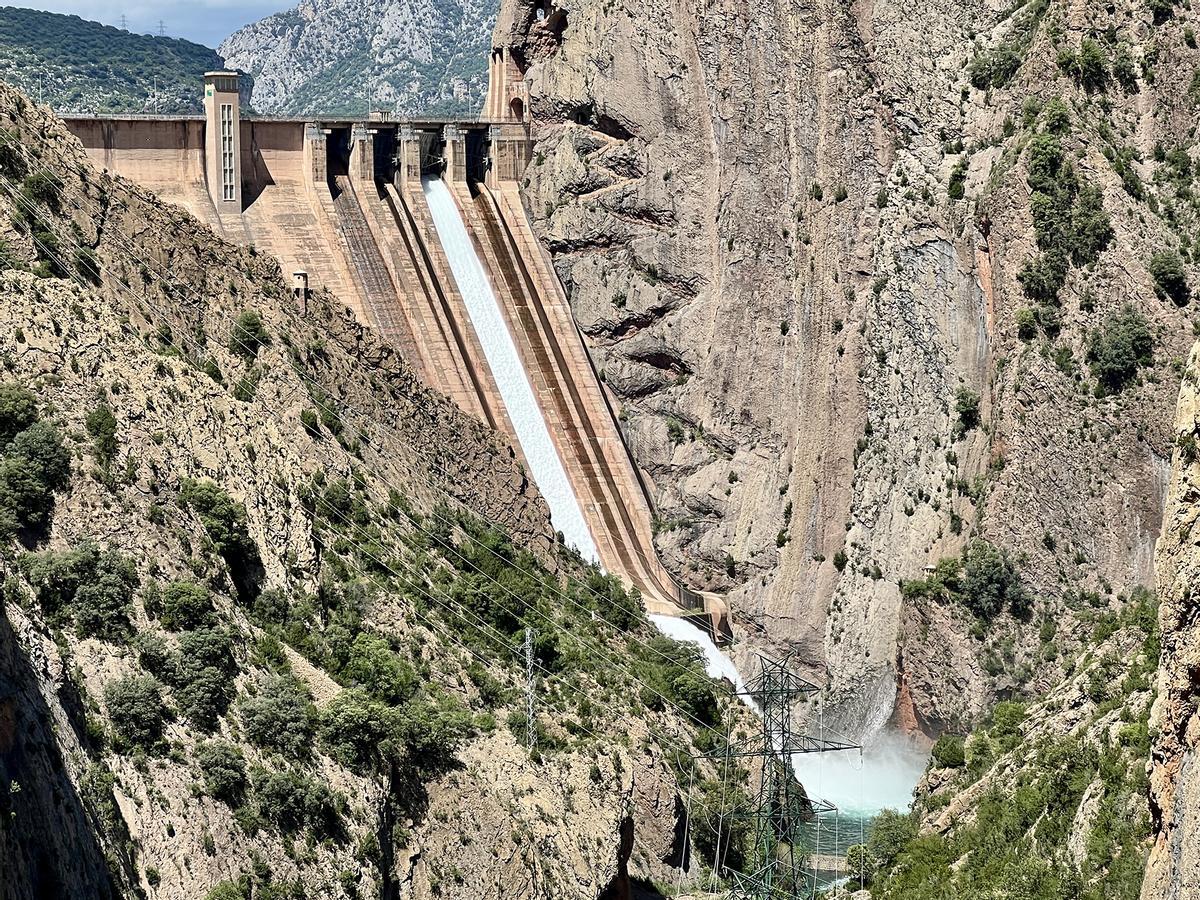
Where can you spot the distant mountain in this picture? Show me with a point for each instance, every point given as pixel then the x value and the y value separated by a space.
pixel 81 66
pixel 337 56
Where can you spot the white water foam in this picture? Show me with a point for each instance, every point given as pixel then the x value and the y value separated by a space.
pixel 505 363
pixel 881 777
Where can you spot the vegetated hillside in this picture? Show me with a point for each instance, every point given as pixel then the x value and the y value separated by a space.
pixel 877 289
pixel 1045 800
pixel 337 56
pixel 256 638
pixel 80 66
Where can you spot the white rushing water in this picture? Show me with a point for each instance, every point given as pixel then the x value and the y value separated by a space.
pixel 882 778
pixel 862 784
pixel 505 363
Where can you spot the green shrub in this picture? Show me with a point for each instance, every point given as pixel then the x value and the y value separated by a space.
pixel 185 605
pixel 34 465
pixel 1161 10
pixel 1092 67
pixel 223 518
pixel 94 588
pixel 310 422
pixel 136 708
pixel 1118 349
pixel 102 603
pixel 994 68
pixel 984 581
pixel 1170 278
pixel 43 188
pixel 966 408
pixel 990 581
pixel 1026 320
pixel 357 731
pixel 377 669
pixel 1056 116
pixel 280 717
pixel 1069 220
pixel 292 800
pixel 101 424
pixel 224 769
pixel 18 410
pixel 958 179
pixel 891 832
pixel 949 752
pixel 432 728
pixel 248 334
pixel 204 697
pixel 230 890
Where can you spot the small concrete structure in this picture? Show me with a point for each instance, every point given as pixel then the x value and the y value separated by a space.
pixel 362 153
pixel 223 140
pixel 456 154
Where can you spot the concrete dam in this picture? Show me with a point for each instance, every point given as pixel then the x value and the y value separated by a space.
pixel 419 227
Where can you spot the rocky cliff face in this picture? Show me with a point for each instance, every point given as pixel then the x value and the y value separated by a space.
pixel 856 276
pixel 254 637
pixel 1174 867
pixel 414 56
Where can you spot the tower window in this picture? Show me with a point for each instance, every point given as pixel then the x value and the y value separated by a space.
pixel 228 173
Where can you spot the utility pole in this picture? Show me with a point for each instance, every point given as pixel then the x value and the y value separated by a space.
pixel 162 29
pixel 530 679
pixel 777 861
pixel 155 101
pixel 124 23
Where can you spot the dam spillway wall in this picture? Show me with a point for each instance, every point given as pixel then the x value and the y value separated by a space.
pixel 348 203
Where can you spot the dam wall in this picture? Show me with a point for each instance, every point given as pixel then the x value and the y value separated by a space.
pixel 463 291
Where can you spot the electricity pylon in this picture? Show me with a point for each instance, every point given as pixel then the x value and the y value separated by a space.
pixel 777 860
pixel 530 690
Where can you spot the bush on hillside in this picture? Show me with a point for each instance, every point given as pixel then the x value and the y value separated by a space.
pixel 292 800
pixel 224 769
pixel 1119 348
pixel 136 708
pixel 1170 278
pixel 280 717
pixel 248 334
pixel 33 465
pixel 101 424
pixel 185 605
pixel 949 752
pixel 18 410
pixel 375 667
pixel 94 588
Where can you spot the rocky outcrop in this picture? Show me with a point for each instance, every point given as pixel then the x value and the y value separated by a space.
pixel 326 58
pixel 792 236
pixel 1174 867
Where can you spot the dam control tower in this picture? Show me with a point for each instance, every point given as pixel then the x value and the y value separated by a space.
pixel 223 140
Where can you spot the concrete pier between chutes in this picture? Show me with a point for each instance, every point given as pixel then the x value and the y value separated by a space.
pixel 343 202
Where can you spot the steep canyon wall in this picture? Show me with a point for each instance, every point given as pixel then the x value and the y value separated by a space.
pixel 791 234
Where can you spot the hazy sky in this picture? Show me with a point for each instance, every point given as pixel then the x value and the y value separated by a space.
pixel 203 21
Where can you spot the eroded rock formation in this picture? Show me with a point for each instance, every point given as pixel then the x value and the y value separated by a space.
pixel 792 235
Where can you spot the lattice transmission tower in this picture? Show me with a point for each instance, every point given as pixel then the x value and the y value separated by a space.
pixel 777 861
